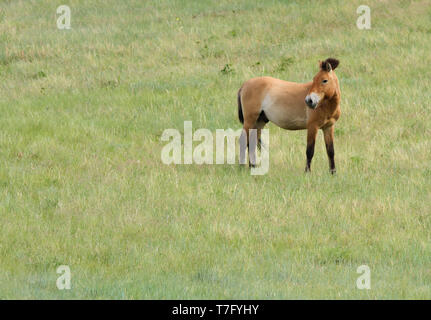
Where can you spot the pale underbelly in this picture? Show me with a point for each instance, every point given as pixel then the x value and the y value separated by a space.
pixel 285 118
pixel 290 124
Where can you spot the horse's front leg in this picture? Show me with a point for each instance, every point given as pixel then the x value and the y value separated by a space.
pixel 311 139
pixel 328 135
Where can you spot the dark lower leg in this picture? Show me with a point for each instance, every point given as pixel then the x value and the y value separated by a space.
pixel 331 154
pixel 328 134
pixel 310 154
pixel 311 139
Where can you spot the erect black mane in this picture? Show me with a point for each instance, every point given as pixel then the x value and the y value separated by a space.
pixel 332 62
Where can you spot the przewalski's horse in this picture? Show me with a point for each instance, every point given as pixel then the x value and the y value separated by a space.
pixel 294 106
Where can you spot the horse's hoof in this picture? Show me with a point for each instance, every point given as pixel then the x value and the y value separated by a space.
pixel 333 171
pixel 307 169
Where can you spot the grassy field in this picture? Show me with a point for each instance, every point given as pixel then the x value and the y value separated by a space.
pixel 82 183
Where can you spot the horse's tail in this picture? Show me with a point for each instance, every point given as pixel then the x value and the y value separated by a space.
pixel 240 115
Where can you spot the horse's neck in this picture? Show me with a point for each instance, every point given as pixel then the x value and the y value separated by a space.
pixel 332 104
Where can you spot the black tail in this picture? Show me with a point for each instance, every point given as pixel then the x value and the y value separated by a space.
pixel 240 115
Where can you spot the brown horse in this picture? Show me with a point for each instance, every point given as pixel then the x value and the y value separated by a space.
pixel 294 106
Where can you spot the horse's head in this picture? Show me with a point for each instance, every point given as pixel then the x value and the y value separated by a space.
pixel 325 83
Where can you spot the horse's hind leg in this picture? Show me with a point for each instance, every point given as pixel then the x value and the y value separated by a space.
pixel 260 124
pixel 254 136
pixel 250 104
pixel 249 138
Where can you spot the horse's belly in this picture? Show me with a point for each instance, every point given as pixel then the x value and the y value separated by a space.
pixel 285 116
pixel 292 124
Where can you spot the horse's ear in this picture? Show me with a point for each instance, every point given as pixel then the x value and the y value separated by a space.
pixel 333 63
pixel 325 66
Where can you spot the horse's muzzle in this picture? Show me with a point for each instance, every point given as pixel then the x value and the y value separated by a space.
pixel 312 100
pixel 310 103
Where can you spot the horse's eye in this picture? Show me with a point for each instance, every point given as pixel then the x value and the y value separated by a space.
pixel 325 81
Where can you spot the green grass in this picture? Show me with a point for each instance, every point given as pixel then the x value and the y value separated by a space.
pixel 82 183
